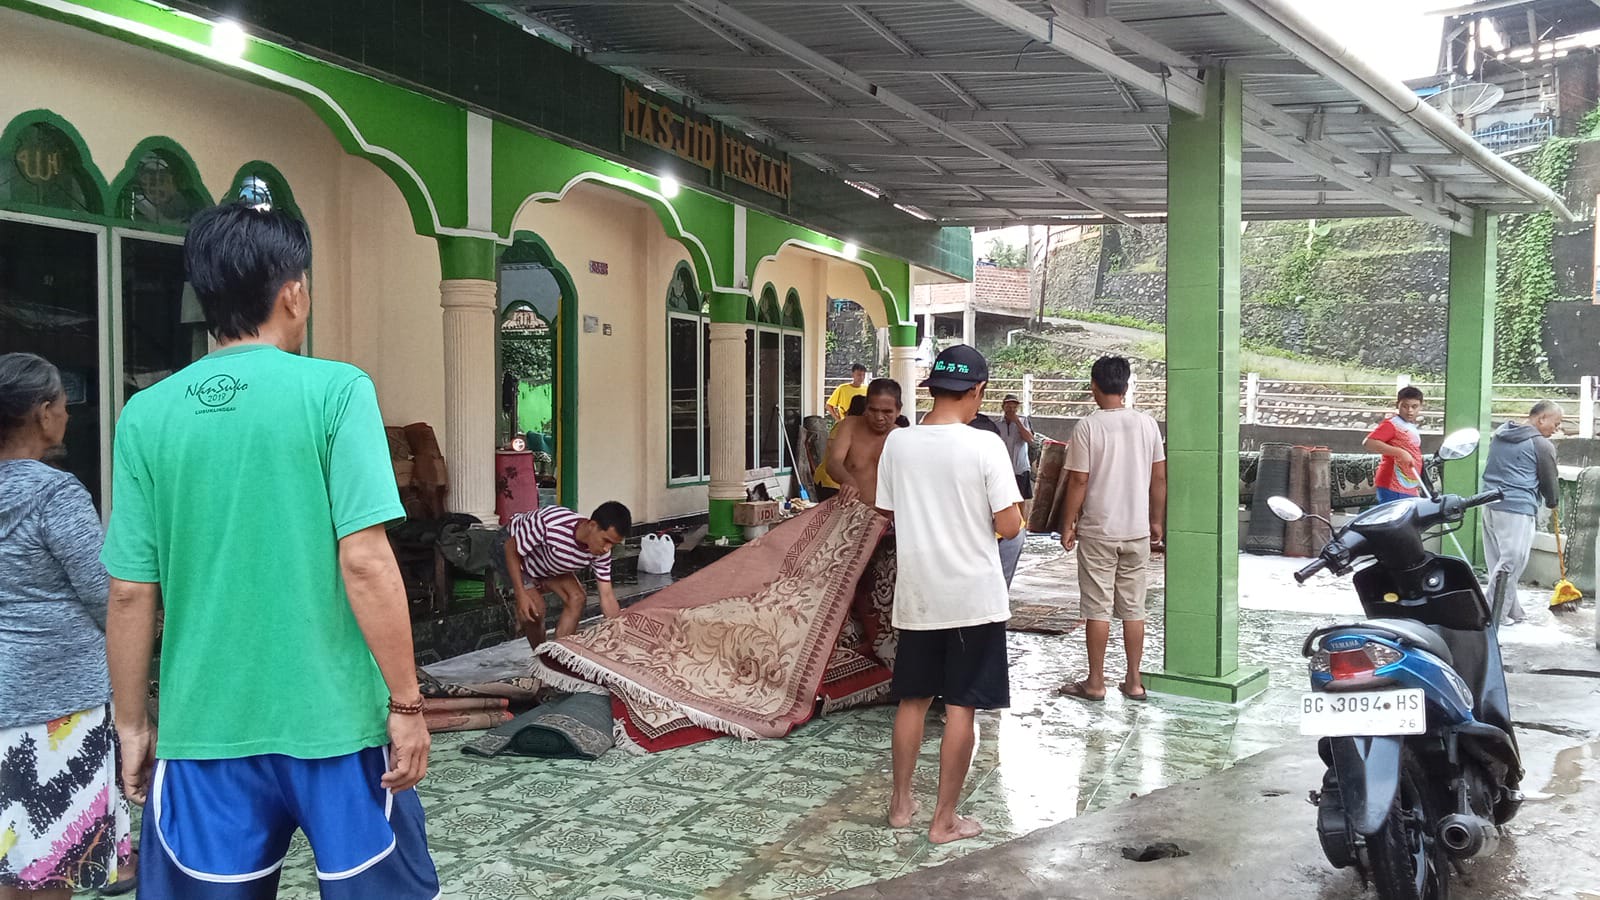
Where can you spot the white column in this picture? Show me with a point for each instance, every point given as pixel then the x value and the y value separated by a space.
pixel 927 327
pixel 726 410
pixel 469 394
pixel 969 324
pixel 903 368
pixel 1586 401
pixel 1252 398
pixel 1027 388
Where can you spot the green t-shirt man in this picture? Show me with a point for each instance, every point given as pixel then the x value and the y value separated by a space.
pixel 234 481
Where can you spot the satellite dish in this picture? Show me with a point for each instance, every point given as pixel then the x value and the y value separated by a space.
pixel 1467 98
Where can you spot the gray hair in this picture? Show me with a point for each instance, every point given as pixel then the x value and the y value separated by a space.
pixel 1544 408
pixel 26 381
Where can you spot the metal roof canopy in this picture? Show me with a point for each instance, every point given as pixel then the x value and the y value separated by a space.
pixel 994 112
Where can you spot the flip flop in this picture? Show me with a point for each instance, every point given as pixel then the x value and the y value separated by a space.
pixel 1077 691
pixel 1140 697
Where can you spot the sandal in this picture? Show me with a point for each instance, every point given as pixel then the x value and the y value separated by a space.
pixel 1140 697
pixel 1077 691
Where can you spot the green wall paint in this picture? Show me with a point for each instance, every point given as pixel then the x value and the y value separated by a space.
pixel 1469 362
pixel 467 258
pixel 1203 196
pixel 902 335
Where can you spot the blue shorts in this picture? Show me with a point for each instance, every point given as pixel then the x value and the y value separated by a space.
pixel 1387 496
pixel 219 829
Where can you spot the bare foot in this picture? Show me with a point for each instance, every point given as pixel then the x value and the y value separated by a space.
pixel 964 828
pixel 901 818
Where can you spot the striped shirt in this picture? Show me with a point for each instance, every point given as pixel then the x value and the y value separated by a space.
pixel 547 541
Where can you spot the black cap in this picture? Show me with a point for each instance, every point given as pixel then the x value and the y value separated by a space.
pixel 958 368
pixel 1012 398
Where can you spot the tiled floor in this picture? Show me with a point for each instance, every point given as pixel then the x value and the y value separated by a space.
pixel 804 816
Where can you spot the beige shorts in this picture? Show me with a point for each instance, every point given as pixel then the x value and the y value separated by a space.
pixel 1112 579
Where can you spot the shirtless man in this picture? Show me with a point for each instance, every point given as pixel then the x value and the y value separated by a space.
pixel 856 445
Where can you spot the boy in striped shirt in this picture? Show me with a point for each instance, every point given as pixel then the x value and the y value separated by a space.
pixel 549 547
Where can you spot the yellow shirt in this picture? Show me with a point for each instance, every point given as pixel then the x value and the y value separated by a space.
pixel 843 394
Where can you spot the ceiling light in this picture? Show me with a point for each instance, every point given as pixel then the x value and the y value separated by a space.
pixel 228 40
pixel 851 250
pixel 669 186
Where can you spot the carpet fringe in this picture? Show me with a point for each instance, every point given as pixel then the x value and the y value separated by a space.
pixel 628 689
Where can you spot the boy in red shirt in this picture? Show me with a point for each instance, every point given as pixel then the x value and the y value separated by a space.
pixel 1399 442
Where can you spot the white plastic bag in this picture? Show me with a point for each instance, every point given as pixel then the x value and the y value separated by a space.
pixel 656 554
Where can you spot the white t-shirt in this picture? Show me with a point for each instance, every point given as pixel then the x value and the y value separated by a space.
pixel 1118 448
pixel 944 484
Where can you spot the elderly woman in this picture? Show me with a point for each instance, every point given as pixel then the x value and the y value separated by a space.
pixel 63 823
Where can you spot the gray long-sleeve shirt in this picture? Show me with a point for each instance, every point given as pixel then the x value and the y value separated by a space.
pixel 1522 463
pixel 52 597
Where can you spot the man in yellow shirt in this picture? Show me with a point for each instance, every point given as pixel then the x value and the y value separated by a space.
pixel 839 402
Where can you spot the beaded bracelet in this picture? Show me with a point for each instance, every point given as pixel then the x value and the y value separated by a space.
pixel 405 709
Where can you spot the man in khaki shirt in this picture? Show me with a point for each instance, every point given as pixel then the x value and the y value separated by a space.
pixel 1116 508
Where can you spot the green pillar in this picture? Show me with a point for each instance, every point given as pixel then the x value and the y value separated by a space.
pixel 1203 216
pixel 726 407
pixel 1469 362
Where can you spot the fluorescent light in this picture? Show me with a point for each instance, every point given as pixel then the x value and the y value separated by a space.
pixel 669 186
pixel 851 250
pixel 228 39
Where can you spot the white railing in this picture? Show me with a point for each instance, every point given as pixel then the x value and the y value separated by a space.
pixel 1272 401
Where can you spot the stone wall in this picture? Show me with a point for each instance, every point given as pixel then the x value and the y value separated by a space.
pixel 1401 336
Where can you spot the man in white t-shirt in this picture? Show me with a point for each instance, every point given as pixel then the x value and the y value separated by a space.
pixel 950 489
pixel 1116 507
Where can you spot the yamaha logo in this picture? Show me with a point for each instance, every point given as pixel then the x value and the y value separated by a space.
pixel 1340 644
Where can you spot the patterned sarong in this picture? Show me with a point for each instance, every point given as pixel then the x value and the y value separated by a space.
pixel 63 823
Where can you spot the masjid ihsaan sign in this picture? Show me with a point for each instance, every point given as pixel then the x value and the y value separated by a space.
pixel 702 141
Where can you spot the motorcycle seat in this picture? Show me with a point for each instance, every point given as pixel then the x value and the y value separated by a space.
pixel 1411 632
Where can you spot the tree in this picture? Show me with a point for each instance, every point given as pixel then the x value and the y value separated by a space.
pixel 1006 255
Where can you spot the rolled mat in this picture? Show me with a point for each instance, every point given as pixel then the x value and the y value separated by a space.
pixel 1272 479
pixel 1319 493
pixel 1580 521
pixel 1051 463
pixel 1297 535
pixel 470 720
pixel 443 705
pixel 578 726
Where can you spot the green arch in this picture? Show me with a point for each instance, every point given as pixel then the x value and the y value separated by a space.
pixel 566 360
pixel 196 189
pixel 791 302
pixel 695 302
pixel 282 194
pixel 767 310
pixel 95 190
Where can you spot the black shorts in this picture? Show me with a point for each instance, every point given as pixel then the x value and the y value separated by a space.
pixel 826 493
pixel 965 666
pixel 1025 485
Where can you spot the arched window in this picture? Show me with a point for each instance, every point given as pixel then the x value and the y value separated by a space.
pixel 264 187
pixel 774 355
pixel 43 168
pixel 688 376
pixel 159 189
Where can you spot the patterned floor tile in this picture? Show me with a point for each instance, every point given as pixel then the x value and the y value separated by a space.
pixel 798 878
pixel 791 788
pixel 611 887
pixel 581 844
pixel 645 805
pixel 741 823
pixel 699 774
pixel 506 879
pixel 677 861
pixel 471 824
pixel 873 846
pixel 542 791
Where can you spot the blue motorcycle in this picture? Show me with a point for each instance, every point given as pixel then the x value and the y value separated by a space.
pixel 1409 706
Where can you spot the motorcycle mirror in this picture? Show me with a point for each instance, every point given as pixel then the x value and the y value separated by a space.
pixel 1459 444
pixel 1286 509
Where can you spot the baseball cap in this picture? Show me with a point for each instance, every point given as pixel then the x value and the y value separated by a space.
pixel 1012 398
pixel 958 368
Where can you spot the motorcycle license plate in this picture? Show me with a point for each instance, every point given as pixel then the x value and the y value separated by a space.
pixel 1363 713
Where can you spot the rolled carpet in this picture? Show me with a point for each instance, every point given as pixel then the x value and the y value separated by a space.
pixel 577 726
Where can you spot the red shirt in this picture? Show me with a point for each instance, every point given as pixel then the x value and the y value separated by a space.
pixel 1397 432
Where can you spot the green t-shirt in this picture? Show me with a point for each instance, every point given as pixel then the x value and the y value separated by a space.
pixel 234 481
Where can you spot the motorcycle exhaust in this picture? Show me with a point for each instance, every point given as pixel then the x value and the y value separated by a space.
pixel 1468 836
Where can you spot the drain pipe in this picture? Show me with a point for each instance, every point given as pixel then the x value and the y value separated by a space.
pixel 1280 22
pixel 1012 334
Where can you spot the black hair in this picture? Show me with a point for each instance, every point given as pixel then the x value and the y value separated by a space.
pixel 858 406
pixel 984 423
pixel 939 393
pixel 26 381
pixel 879 386
pixel 902 422
pixel 857 367
pixel 1409 393
pixel 613 516
pixel 237 258
pixel 1111 375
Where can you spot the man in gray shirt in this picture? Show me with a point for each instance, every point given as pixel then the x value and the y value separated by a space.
pixel 1018 435
pixel 1522 464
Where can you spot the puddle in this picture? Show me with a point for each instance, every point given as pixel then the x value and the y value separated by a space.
pixel 1571 764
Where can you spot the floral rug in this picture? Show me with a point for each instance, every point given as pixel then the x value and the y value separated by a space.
pixel 747 646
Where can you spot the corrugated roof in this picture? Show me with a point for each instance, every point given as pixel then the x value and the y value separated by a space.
pixel 1021 130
